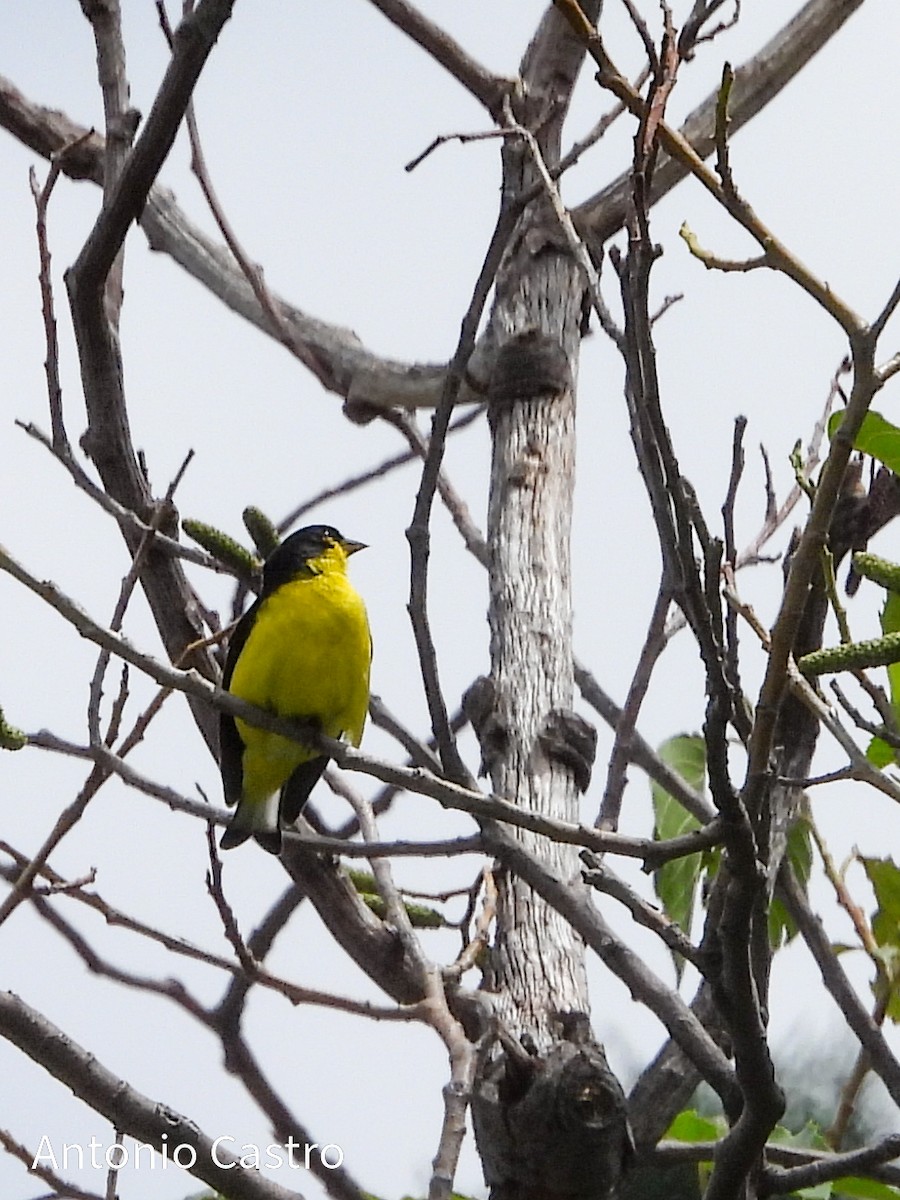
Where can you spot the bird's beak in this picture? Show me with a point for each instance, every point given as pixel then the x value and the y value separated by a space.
pixel 352 547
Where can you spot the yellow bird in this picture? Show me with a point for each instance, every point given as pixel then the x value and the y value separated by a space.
pixel 302 650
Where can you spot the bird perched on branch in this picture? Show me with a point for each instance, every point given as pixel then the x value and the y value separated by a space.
pixel 302 650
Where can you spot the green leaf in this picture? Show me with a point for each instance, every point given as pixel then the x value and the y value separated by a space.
pixel 799 852
pixel 819 1191
pixel 676 882
pixel 879 753
pixel 689 1126
pixel 809 1137
pixel 877 437
pixel 869 1189
pixel 884 876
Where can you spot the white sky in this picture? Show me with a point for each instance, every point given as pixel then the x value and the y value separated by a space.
pixel 308 114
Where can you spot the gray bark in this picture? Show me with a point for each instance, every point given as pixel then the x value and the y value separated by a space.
pixel 549 1120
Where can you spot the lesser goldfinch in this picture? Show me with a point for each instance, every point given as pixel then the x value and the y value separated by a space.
pixel 303 650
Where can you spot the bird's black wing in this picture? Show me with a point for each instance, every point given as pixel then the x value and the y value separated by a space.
pixel 231 748
pixel 296 791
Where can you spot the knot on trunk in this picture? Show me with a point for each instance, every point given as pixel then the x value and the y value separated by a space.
pixel 478 704
pixel 571 741
pixel 553 1126
pixel 529 366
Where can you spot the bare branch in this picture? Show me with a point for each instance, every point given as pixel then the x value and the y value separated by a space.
pixel 108 440
pixel 66 821
pixel 868 1161
pixel 455 505
pixel 42 195
pixel 29 1159
pixel 124 516
pixel 418 532
pixel 161 512
pixel 756 82
pixel 654 644
pixel 881 1057
pixel 603 879
pixel 835 1166
pixel 378 472
pixel 351 370
pixel 488 89
pixel 224 909
pixel 576 907
pixel 419 754
pixel 123 1106
pixel 641 752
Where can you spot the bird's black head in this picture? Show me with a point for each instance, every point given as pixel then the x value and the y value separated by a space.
pixel 306 552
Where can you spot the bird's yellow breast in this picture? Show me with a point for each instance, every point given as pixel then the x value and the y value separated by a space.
pixel 307 656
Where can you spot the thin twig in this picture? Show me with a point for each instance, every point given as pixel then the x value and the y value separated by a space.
pixel 860 767
pixel 251 272
pixel 161 511
pixel 33 1162
pixel 692 34
pixel 113 916
pixel 879 730
pixel 446 848
pixel 871 1038
pixel 124 516
pixel 574 241
pixel 641 752
pixel 488 89
pixel 420 754
pixel 41 196
pixel 654 644
pixel 455 505
pixel 443 138
pixel 354 482
pixel 224 909
pixel 742 719
pixel 112 1098
pixel 866 1161
pixel 881 987
pixel 605 880
pixel 602 126
pixel 114 1168
pixel 476 944
pixel 418 533
pixel 67 819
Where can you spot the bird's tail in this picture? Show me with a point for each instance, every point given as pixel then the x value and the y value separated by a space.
pixel 253 820
pixel 263 821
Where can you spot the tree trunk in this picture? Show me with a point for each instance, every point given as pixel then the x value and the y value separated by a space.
pixel 549 1120
pixel 538 962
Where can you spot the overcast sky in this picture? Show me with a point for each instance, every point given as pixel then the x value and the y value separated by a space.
pixel 308 114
